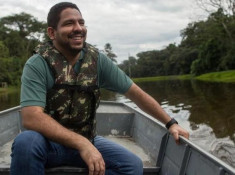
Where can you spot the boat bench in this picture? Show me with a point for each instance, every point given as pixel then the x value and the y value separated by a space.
pixel 66 170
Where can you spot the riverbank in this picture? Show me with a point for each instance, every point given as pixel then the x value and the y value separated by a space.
pixel 159 78
pixel 9 89
pixel 223 77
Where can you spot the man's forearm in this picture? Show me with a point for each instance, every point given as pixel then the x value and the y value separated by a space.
pixel 147 103
pixel 35 119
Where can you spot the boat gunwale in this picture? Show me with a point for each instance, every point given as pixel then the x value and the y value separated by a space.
pixel 9 110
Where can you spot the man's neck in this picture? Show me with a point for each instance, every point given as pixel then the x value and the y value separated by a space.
pixel 71 57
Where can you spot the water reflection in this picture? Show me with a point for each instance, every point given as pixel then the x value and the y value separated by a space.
pixel 9 99
pixel 199 102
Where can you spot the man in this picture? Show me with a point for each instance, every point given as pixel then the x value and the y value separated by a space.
pixel 59 97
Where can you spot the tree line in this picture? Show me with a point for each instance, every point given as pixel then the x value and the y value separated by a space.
pixel 206 46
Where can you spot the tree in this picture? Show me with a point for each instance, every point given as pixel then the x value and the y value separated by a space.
pixel 129 66
pixel 211 6
pixel 26 25
pixel 222 8
pixel 4 52
pixel 209 57
pixel 108 51
pixel 213 40
pixel 11 70
pixel 21 33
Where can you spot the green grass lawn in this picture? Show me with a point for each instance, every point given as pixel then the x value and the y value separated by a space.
pixel 225 76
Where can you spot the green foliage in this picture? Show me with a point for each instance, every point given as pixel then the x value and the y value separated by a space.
pixel 19 34
pixel 129 66
pixel 25 24
pixel 11 70
pixel 216 43
pixel 172 60
pixel 4 52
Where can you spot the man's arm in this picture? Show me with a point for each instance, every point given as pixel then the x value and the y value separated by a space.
pixel 152 107
pixel 35 119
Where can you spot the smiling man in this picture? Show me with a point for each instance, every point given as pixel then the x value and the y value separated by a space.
pixel 59 97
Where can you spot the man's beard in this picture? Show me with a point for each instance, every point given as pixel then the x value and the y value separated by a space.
pixel 70 49
pixel 67 46
pixel 73 50
pixel 83 37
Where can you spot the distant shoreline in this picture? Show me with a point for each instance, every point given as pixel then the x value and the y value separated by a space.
pixel 9 89
pixel 222 77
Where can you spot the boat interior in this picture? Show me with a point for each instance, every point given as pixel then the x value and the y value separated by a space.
pixel 127 125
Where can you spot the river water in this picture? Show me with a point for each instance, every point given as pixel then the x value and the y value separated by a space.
pixel 206 110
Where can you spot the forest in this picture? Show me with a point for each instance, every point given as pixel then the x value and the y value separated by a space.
pixel 207 46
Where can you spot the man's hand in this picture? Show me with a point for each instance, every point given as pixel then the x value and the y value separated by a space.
pixel 176 131
pixel 93 159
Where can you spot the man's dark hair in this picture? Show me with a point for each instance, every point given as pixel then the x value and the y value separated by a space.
pixel 55 11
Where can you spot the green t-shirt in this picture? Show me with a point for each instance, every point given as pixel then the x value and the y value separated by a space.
pixel 37 78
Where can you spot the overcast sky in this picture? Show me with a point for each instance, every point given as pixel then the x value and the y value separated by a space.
pixel 130 26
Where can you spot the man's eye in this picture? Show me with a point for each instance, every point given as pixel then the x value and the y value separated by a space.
pixel 81 23
pixel 68 23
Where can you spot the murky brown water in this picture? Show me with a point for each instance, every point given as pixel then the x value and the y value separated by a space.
pixel 207 110
pixel 8 100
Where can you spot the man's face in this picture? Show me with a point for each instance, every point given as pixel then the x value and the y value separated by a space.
pixel 70 34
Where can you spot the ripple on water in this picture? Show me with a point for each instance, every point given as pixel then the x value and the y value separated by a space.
pixel 224 148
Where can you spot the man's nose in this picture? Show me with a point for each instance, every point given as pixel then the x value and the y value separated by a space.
pixel 77 26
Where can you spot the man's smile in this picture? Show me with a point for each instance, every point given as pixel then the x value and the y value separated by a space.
pixel 77 37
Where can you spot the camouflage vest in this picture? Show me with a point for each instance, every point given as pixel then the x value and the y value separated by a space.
pixel 74 98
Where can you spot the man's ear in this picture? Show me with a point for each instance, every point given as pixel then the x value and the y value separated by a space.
pixel 51 33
